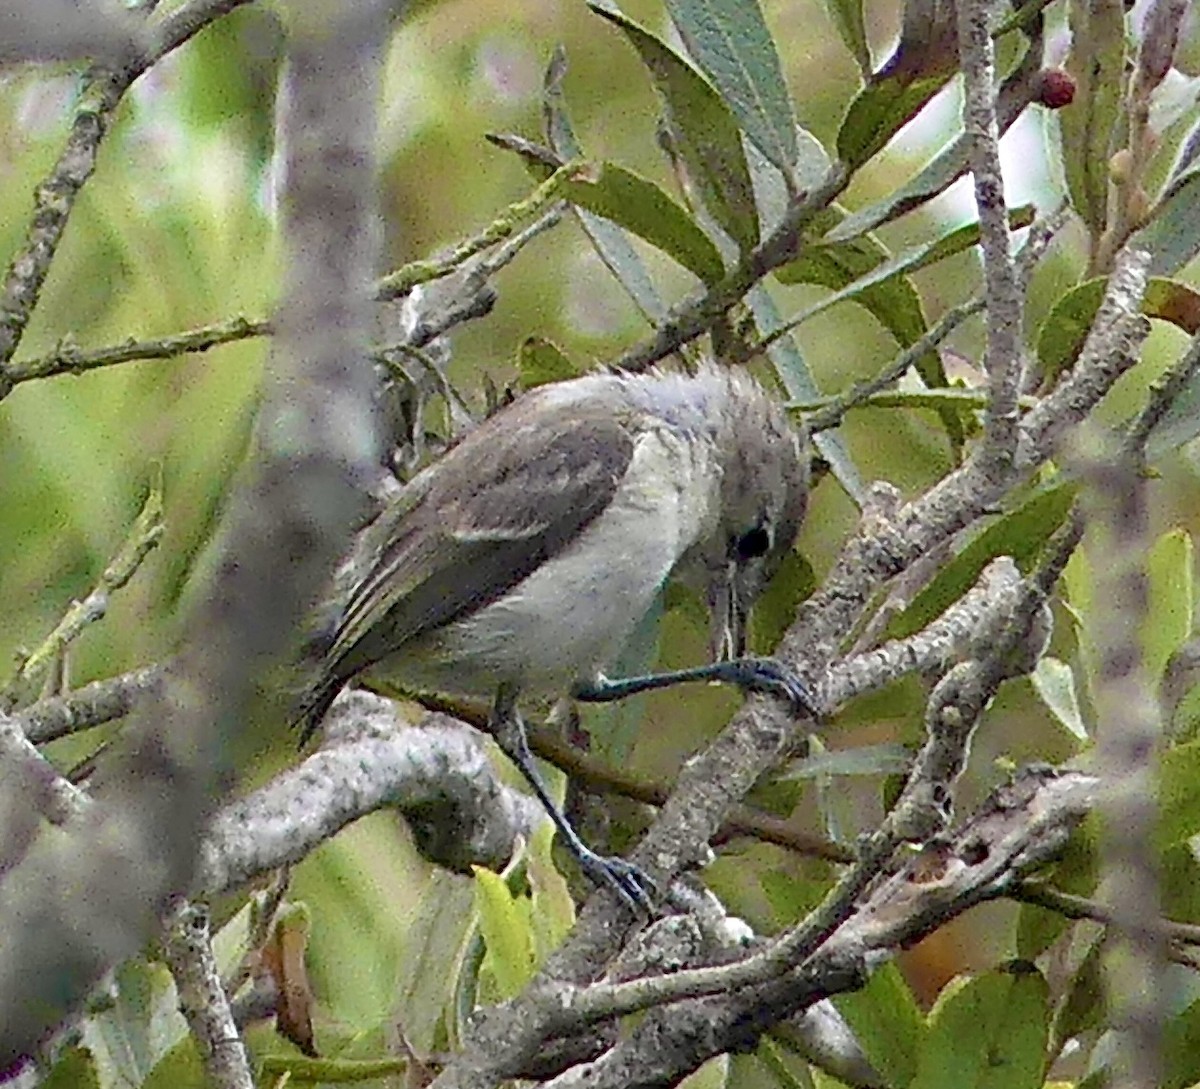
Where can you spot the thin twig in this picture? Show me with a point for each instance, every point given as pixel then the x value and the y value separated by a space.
pixel 860 393
pixel 1083 907
pixel 1163 394
pixel 87 707
pixel 697 314
pixel 68 358
pixel 504 226
pixel 144 535
pixel 1002 360
pixel 203 1001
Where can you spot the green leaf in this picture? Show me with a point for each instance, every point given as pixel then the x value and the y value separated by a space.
pixel 1179 425
pixel 433 959
pixel 775 609
pixel 1097 64
pixel 791 895
pixel 919 256
pixel 1083 1008
pixel 851 269
pixel 987 1033
pixel 887 759
pixel 897 307
pixel 179 1068
pixel 887 1024
pixel 1181 1049
pixel 539 361
pixel 1066 326
pixel 879 111
pixel 1020 533
pixel 553 912
pixel 73 1070
pixel 1179 876
pixel 609 241
pixel 939 174
pixel 1168 623
pixel 788 1071
pixel 1179 795
pixel 643 208
pixel 1172 234
pixel 1054 682
pixel 847 17
pixel 1075 872
pixel 730 42
pixel 129 1038
pixel 704 133
pixel 1038 928
pixel 510 953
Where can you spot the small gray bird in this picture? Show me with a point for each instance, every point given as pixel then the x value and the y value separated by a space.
pixel 523 558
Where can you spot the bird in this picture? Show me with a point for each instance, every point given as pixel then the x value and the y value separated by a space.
pixel 519 562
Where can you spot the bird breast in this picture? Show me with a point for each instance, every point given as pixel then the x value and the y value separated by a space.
pixel 571 616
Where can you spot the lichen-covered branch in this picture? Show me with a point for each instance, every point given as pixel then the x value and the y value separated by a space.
pixel 203 1001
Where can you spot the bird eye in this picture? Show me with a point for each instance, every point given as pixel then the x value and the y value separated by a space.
pixel 752 544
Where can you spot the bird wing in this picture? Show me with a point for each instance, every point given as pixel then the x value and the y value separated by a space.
pixel 512 494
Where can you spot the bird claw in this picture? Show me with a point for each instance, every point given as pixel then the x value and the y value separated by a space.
pixel 633 886
pixel 774 678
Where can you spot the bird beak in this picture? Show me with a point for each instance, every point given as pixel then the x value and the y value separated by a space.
pixel 728 602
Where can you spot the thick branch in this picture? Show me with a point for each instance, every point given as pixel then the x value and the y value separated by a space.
pixel 77 904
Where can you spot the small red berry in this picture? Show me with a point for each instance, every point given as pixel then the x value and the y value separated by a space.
pixel 1054 88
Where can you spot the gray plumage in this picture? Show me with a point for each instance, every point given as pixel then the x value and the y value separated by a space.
pixel 527 553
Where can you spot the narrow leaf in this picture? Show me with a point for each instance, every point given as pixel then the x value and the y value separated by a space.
pixel 1083 1008
pixel 886 759
pixel 847 17
pixel 1097 64
pixel 609 241
pixel 1172 236
pixel 1168 623
pixel 553 912
pixel 1179 425
pixel 1020 533
pixel 853 270
pixel 887 1023
pixel 799 385
pixel 642 208
pixel 910 260
pixel 704 133
pixel 940 173
pixel 730 42
pixel 508 936
pixel 1066 326
pixel 434 951
pixel 1179 795
pixel 1054 682
pixel 879 111
pixel 1181 1049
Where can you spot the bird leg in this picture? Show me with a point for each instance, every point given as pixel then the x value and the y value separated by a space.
pixel 749 674
pixel 633 886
